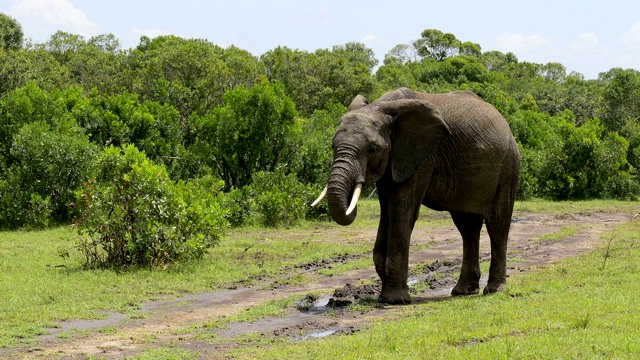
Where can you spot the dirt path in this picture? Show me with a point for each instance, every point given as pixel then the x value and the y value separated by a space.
pixel 437 250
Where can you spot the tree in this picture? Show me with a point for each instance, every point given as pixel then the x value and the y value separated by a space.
pixel 44 155
pixel 437 45
pixel 11 35
pixel 554 72
pixel 185 73
pixel 94 63
pixel 580 162
pixel 620 93
pixel 404 53
pixel 37 65
pixel 250 133
pixel 495 60
pixel 314 156
pixel 317 80
pixel 470 49
pixel 357 53
pixel 394 74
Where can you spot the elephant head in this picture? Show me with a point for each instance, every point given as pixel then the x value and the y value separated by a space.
pixel 397 135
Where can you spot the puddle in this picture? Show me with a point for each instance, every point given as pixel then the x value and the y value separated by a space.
pixel 319 335
pixel 321 306
pixel 112 319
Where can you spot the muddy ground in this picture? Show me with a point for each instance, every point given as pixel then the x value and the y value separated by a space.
pixel 435 260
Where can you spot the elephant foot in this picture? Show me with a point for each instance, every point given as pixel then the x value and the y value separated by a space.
pixel 395 297
pixel 494 287
pixel 464 288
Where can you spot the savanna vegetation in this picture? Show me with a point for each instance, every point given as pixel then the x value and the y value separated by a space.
pixel 131 144
pixel 152 153
pixel 581 307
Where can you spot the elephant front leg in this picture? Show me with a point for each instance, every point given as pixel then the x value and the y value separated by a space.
pixel 396 266
pixel 394 285
pixel 382 238
pixel 380 249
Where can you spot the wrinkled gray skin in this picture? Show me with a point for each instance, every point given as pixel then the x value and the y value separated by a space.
pixel 450 152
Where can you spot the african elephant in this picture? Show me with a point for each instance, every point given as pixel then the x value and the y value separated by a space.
pixel 450 152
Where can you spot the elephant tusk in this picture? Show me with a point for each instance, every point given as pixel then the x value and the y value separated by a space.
pixel 322 195
pixel 354 199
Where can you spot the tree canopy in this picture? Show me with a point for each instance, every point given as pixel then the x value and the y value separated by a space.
pixel 221 116
pixel 11 35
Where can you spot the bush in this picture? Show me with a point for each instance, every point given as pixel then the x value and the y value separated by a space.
pixel 48 167
pixel 314 156
pixel 250 133
pixel 280 198
pixel 131 214
pixel 20 208
pixel 238 205
pixel 585 162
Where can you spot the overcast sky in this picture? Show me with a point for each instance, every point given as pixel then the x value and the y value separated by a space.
pixel 586 36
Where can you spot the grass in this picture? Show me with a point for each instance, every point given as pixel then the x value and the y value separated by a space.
pixel 570 310
pixel 560 234
pixel 40 289
pixel 586 206
pixel 167 353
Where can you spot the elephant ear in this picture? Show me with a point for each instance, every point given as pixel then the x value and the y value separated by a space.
pixel 418 130
pixel 358 102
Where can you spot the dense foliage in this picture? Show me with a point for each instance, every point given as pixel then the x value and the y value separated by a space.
pixel 132 214
pixel 253 130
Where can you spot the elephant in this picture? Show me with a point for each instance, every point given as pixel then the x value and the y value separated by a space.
pixel 450 152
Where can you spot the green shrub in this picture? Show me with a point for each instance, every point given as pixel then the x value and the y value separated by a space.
pixel 48 166
pixel 238 205
pixel 132 214
pixel 250 133
pixel 528 185
pixel 585 162
pixel 280 198
pixel 20 208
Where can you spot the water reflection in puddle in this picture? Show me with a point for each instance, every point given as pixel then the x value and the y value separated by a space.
pixel 319 335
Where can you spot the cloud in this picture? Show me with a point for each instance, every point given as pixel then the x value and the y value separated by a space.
pixel 57 12
pixel 522 44
pixel 632 36
pixel 369 39
pixel 587 44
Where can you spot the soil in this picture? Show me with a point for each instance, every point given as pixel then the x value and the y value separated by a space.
pixel 434 263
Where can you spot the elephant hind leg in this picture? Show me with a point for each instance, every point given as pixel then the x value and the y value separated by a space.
pixel 469 226
pixel 498 231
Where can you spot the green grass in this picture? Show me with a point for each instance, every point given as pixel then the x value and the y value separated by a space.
pixel 40 288
pixel 558 235
pixel 586 206
pixel 165 353
pixel 570 310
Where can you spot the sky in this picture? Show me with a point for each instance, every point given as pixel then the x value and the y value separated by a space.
pixel 586 36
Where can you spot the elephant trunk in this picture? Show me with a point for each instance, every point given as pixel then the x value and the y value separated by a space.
pixel 343 188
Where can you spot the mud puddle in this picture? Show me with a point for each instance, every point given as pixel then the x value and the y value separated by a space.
pixel 327 306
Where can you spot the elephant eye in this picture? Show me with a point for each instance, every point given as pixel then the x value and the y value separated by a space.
pixel 372 149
